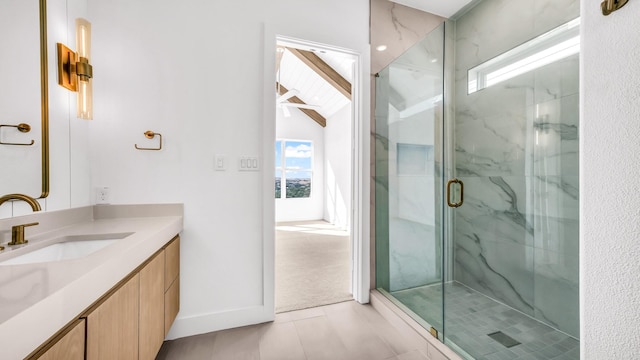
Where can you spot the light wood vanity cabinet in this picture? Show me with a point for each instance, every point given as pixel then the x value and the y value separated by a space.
pixel 130 321
pixel 171 283
pixel 112 327
pixel 152 306
pixel 70 346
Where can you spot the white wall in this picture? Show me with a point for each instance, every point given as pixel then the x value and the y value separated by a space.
pixel 68 147
pixel 337 154
pixel 20 100
pixel 195 71
pixel 301 127
pixel 610 226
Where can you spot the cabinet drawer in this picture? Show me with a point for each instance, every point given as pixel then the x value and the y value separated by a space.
pixel 171 305
pixel 172 262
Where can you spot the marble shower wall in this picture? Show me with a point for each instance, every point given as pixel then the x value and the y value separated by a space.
pixel 516 149
pixel 399 28
pixel 408 166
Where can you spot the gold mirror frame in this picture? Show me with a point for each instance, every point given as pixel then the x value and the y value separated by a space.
pixel 44 103
pixel 44 110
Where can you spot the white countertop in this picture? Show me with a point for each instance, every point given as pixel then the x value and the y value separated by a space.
pixel 37 300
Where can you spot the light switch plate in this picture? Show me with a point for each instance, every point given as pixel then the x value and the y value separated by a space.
pixel 248 163
pixel 220 162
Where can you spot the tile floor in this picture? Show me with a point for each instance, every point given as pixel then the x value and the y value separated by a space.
pixel 346 330
pixel 472 316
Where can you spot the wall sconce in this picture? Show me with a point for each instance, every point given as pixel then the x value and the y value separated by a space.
pixel 74 70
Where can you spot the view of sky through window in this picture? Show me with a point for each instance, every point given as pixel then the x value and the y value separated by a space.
pixel 294 165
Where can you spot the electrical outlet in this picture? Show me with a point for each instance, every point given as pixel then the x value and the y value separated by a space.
pixel 103 195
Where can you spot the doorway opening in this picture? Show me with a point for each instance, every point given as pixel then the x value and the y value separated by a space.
pixel 314 175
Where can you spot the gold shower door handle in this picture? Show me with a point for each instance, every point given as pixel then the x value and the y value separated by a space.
pixel 459 203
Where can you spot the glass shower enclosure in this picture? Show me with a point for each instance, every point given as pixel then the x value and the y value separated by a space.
pixel 476 185
pixel 408 178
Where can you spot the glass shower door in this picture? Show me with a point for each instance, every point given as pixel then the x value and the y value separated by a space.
pixel 514 281
pixel 408 173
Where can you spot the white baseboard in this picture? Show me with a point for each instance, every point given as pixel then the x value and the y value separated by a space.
pixel 206 323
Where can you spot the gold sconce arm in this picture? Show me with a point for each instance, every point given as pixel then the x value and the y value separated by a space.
pixel 84 70
pixel 150 135
pixel 23 128
pixel 67 68
pixel 609 6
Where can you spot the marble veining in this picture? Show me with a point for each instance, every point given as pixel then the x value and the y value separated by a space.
pixel 517 147
pixel 398 27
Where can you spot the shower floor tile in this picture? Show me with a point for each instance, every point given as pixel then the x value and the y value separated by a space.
pixel 472 316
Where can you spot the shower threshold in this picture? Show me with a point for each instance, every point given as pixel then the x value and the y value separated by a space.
pixel 478 327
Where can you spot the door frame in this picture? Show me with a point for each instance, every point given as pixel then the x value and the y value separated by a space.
pixel 359 229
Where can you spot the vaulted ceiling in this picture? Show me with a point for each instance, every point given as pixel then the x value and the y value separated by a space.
pixel 319 78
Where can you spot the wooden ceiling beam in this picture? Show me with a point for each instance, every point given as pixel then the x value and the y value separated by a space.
pixel 296 100
pixel 324 70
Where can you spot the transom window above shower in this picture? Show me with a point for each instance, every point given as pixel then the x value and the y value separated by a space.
pixel 545 49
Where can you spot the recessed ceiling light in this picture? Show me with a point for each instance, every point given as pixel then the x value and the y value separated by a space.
pixel 381 47
pixel 434 60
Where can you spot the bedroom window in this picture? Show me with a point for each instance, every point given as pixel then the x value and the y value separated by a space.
pixel 294 169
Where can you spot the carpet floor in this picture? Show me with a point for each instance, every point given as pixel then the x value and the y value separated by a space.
pixel 312 265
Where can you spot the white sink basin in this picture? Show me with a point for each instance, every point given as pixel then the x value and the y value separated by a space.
pixel 68 248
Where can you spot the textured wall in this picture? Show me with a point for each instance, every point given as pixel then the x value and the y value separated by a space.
pixel 516 149
pixel 610 246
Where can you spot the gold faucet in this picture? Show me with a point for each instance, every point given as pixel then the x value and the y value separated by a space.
pixel 17 234
pixel 35 206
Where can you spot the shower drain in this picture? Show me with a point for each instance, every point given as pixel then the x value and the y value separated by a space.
pixel 504 339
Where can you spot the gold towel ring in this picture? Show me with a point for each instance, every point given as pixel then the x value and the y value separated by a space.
pixel 150 135
pixel 23 128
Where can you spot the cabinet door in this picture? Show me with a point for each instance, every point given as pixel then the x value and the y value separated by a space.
pixel 152 307
pixel 112 328
pixel 68 347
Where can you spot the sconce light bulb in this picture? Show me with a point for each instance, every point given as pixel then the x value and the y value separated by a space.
pixel 85 99
pixel 83 38
pixel 85 89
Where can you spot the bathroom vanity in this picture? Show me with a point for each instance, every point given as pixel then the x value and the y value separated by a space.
pixel 118 301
